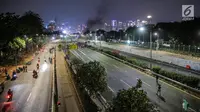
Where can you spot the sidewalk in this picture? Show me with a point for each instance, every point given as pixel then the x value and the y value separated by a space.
pixel 66 92
pixel 11 68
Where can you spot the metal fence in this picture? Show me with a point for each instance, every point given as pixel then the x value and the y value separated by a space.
pixel 185 49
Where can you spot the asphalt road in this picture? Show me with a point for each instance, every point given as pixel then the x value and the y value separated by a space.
pixel 163 66
pixel 121 76
pixel 29 94
pixel 195 64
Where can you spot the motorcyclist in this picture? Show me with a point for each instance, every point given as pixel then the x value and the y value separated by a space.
pixel 34 73
pixel 38 66
pixel 14 72
pixel 10 92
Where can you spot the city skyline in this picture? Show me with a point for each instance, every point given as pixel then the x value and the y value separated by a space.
pixel 77 12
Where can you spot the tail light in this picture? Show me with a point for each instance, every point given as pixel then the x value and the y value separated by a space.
pixel 8 96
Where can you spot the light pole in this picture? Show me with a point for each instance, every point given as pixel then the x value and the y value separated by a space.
pixel 156 34
pixel 142 30
pixel 149 17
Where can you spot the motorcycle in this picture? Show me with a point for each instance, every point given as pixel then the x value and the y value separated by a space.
pixel 14 76
pixel 35 75
pixel 9 97
pixel 38 67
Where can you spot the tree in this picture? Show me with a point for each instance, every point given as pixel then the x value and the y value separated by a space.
pixel 59 47
pixel 131 32
pixel 121 34
pixel 87 31
pixel 92 76
pixel 30 24
pixel 100 32
pixel 8 27
pixel 132 100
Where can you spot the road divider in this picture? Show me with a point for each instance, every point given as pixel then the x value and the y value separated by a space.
pixel 54 94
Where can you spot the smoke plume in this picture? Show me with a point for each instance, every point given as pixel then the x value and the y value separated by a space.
pixel 97 21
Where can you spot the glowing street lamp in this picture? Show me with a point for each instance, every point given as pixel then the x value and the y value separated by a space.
pixel 141 29
pixel 156 34
pixel 64 31
pixel 149 16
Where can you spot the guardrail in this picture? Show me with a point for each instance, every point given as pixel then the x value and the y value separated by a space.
pixel 153 73
pixel 158 61
pixel 54 95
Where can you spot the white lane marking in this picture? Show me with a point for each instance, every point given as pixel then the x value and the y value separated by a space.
pixel 144 82
pixel 116 66
pixel 86 55
pixel 28 97
pixel 76 54
pixel 103 98
pixel 125 83
pixel 192 109
pixel 111 89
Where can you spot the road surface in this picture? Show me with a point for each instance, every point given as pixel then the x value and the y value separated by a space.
pixel 30 95
pixel 121 76
pixel 158 55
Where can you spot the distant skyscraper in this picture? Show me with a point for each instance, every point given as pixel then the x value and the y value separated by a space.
pixel 138 24
pixel 124 26
pixel 52 26
pixel 120 25
pixel 107 27
pixel 144 23
pixel 130 23
pixel 114 24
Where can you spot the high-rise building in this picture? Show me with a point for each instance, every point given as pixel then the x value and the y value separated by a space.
pixel 120 25
pixel 138 23
pixel 107 27
pixel 124 26
pixel 144 23
pixel 130 23
pixel 83 27
pixel 52 26
pixel 114 24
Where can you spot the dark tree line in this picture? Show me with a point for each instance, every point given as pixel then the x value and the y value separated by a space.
pixel 19 34
pixel 185 32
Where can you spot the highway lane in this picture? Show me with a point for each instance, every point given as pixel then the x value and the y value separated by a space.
pixel 194 63
pixel 165 67
pixel 30 95
pixel 122 76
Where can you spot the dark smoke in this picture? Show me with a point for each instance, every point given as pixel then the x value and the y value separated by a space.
pixel 97 21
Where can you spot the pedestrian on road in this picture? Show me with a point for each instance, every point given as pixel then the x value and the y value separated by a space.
pixel 23 68
pixel 6 71
pixel 157 79
pixel 26 68
pixel 159 90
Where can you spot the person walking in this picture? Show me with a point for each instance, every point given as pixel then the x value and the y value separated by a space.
pixel 26 68
pixel 159 90
pixel 157 79
pixel 6 71
pixel 23 68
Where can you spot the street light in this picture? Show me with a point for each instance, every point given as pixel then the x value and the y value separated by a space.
pixel 142 29
pixel 156 34
pixel 149 17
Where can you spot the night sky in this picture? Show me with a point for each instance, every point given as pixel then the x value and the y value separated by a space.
pixel 78 11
